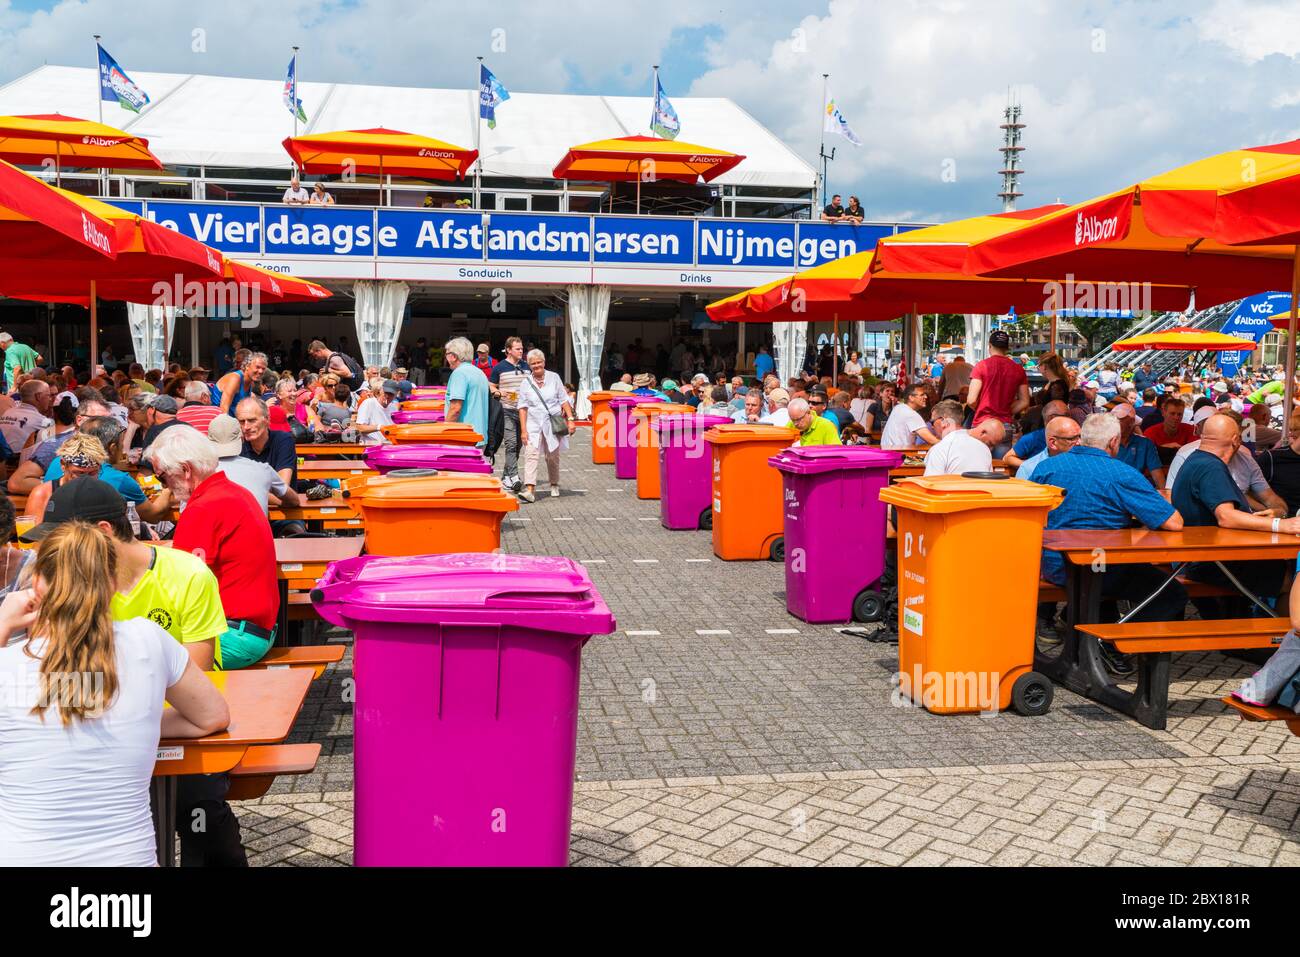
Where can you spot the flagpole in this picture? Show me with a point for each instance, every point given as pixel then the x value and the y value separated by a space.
pixel 293 96
pixel 99 98
pixel 478 135
pixel 820 176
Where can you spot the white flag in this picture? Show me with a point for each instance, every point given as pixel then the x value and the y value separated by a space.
pixel 834 121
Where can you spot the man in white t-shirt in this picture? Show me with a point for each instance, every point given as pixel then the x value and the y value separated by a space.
pixel 958 450
pixel 374 413
pixel 295 195
pixel 905 426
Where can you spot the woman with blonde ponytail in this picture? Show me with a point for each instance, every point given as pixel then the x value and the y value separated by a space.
pixel 81 711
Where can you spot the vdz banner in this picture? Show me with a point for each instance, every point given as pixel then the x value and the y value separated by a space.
pixel 507 237
pixel 1253 320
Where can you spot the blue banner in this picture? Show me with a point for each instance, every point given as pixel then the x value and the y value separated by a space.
pixel 116 87
pixel 447 235
pixel 319 231
pixel 1252 320
pixel 228 228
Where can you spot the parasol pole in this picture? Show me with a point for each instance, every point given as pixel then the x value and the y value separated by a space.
pixel 1290 339
pixel 94 328
pixel 835 351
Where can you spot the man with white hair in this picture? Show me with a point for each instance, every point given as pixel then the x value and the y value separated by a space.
pixel 19 359
pixel 1101 492
pixel 467 388
pixel 959 450
pixel 198 410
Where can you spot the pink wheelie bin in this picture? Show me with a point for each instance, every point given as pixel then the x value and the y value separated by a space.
pixel 835 528
pixel 686 470
pixel 466 710
pixel 625 432
pixel 445 458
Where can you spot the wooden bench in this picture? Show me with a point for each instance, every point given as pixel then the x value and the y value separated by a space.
pixel 1254 712
pixel 1152 643
pixel 315 657
pixel 263 763
pixel 300 607
pixel 1050 592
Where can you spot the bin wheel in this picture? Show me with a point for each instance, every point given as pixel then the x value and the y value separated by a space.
pixel 706 520
pixel 869 606
pixel 1031 695
pixel 778 550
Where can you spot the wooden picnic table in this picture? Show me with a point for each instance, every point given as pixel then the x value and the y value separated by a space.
pixel 263 705
pixel 300 562
pixel 332 449
pixel 909 471
pixel 333 469
pixel 336 509
pixel 1088 553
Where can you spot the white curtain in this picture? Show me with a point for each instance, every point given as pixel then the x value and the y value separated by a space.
pixel 380 307
pixel 149 338
pixel 790 340
pixel 588 318
pixel 977 337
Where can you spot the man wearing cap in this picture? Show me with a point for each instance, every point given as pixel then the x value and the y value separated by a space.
pixel 159 415
pixel 259 479
pixel 484 359
pixel 999 388
pixel 644 384
pixel 778 399
pixel 374 413
pixel 812 428
pixel 1136 449
pixel 671 390
pixel 404 384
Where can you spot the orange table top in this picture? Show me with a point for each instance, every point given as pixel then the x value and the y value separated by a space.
pixel 1082 546
pixel 263 706
pixel 328 449
pixel 304 559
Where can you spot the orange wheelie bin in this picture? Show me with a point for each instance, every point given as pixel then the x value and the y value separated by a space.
pixel 966 627
pixel 423 405
pixel 602 429
pixel 748 518
pixel 647 444
pixel 432 514
pixel 432 433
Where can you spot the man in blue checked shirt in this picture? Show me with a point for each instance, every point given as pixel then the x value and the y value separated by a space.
pixel 1102 492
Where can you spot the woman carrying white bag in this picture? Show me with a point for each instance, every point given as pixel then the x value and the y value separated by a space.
pixel 545 421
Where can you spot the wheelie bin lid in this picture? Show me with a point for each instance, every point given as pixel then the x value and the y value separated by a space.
pixel 653 410
pixel 687 422
pixel 815 459
pixel 749 432
pixel 418 416
pixel 545 593
pixel 385 458
pixel 454 489
pixel 624 399
pixel 942 494
pixel 423 404
pixel 431 430
pixel 603 396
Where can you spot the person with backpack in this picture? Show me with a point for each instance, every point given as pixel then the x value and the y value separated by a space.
pixel 340 364
pixel 484 359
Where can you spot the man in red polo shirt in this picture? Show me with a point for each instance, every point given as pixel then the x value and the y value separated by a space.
pixel 999 388
pixel 224 525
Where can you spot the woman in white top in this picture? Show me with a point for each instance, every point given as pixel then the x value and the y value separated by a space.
pixel 853 366
pixel 81 712
pixel 542 395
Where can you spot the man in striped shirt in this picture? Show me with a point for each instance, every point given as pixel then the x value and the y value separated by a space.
pixel 198 410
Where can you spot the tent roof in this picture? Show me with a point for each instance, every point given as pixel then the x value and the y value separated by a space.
pixel 197 120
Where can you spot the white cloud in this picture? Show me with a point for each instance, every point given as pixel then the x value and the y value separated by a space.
pixel 1252 30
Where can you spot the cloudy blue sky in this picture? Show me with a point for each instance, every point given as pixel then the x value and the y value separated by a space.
pixel 1112 90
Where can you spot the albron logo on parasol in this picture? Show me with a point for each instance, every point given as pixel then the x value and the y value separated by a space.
pixel 705 159
pixel 1092 229
pixel 100 141
pixel 437 154
pixel 91 233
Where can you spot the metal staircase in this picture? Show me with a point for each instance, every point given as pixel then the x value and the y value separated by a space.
pixel 1162 362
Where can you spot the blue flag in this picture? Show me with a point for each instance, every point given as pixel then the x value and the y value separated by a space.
pixel 290 94
pixel 491 94
pixel 663 118
pixel 116 87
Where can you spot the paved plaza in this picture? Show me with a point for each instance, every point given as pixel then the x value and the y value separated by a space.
pixel 716 729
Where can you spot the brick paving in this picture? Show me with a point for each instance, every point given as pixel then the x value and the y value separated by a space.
pixel 717 729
